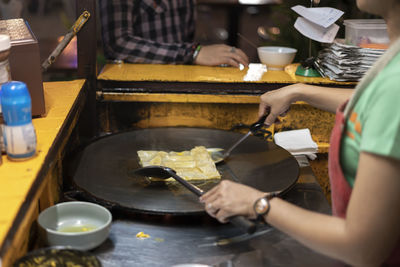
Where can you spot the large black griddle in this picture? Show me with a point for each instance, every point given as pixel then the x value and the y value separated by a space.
pixel 104 168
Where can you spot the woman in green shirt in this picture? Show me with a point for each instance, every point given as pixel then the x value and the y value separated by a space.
pixel 364 164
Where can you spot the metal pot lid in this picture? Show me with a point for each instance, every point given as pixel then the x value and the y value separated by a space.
pixel 104 168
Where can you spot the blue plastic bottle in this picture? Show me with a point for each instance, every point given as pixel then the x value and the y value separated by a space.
pixel 19 133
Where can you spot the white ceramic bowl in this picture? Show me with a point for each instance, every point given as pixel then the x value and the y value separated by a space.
pixel 77 225
pixel 276 57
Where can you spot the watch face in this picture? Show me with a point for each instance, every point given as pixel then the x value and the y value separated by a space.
pixel 261 206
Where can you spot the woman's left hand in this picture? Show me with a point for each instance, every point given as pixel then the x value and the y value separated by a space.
pixel 228 199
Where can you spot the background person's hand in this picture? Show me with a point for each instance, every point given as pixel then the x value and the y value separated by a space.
pixel 214 55
pixel 229 198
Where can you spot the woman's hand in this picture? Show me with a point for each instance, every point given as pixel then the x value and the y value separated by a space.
pixel 214 55
pixel 229 198
pixel 277 102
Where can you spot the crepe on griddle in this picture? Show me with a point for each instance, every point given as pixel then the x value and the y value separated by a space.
pixel 195 164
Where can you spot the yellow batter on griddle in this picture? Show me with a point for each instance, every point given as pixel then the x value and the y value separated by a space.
pixel 195 164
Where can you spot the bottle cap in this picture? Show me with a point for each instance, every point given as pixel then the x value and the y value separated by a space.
pixel 16 103
pixel 5 43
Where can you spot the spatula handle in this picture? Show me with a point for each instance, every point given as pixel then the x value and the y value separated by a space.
pixel 197 191
pixel 244 224
pixel 257 125
pixel 241 222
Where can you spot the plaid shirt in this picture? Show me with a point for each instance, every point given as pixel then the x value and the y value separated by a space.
pixel 148 31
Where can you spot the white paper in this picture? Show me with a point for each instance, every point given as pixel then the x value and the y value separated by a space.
pixel 316 32
pixel 341 62
pixel 297 142
pixel 323 16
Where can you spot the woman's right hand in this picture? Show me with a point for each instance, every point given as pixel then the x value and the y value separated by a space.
pixel 277 102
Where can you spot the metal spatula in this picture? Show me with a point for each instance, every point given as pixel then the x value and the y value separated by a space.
pixel 218 155
pixel 164 172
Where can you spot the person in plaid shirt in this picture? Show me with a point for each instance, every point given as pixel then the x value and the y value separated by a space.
pixel 160 32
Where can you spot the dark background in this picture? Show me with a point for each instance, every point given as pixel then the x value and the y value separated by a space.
pixel 51 19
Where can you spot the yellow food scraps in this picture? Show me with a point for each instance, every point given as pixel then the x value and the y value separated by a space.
pixel 142 235
pixel 195 164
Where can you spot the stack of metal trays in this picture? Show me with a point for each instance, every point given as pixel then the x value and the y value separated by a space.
pixel 342 62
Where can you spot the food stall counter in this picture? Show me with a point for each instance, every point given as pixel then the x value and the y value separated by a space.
pixel 25 186
pixel 196 73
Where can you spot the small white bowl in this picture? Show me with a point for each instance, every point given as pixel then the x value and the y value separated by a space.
pixel 276 57
pixel 77 225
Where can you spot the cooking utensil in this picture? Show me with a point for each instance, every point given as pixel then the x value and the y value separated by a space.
pixel 165 172
pixel 247 40
pixel 217 154
pixel 78 24
pixel 102 170
pixel 236 239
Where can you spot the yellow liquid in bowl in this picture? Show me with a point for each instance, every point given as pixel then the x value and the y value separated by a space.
pixel 76 228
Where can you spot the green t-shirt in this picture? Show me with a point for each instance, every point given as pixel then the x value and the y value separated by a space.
pixel 374 122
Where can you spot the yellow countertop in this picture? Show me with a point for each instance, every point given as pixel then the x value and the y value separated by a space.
pixel 196 73
pixel 16 178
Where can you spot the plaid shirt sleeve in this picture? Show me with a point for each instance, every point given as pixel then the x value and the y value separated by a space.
pixel 148 31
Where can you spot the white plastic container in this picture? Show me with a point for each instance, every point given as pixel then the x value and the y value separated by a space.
pixel 361 32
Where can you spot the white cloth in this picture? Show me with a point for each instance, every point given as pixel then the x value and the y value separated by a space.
pixel 255 72
pixel 297 142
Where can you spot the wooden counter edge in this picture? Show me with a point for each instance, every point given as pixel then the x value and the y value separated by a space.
pixel 15 242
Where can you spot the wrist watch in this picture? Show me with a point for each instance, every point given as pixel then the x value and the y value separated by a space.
pixel 262 206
